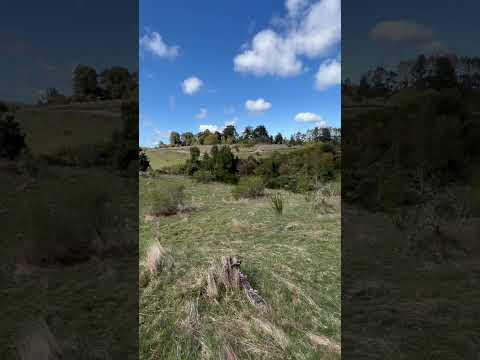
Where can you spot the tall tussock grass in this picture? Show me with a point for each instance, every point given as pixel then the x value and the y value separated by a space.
pixel 277 203
pixel 157 260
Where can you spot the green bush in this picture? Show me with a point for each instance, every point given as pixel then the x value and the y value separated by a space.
pixel 12 140
pixel 249 187
pixel 167 200
pixel 203 176
pixel 143 161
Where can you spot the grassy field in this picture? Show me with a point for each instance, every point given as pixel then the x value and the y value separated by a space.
pixel 82 303
pixel 165 157
pixel 293 260
pixel 49 128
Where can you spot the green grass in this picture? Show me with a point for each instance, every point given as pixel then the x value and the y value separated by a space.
pixel 163 158
pixel 84 303
pixel 292 260
pixel 69 125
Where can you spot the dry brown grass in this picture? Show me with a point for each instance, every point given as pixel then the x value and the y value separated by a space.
pixel 320 340
pixel 157 259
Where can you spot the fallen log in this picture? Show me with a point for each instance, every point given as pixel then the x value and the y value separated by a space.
pixel 233 278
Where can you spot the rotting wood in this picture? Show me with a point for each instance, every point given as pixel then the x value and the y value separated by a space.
pixel 234 278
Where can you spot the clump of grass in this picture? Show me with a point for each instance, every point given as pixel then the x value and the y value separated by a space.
pixel 321 198
pixel 157 260
pixel 167 200
pixel 249 187
pixel 277 202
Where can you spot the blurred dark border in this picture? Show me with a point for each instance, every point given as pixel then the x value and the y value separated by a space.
pixel 410 200
pixel 69 179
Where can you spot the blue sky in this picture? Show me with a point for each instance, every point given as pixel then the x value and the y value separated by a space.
pixel 41 50
pixel 433 26
pixel 266 53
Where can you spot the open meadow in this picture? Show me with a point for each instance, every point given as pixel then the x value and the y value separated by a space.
pixel 292 260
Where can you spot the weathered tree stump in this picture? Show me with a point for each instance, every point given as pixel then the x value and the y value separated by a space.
pixel 233 278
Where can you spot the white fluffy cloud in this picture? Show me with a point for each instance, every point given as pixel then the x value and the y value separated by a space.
pixel 231 122
pixel 154 43
pixel 410 33
pixel 401 31
pixel 311 33
pixel 258 106
pixel 202 114
pixel 191 85
pixel 294 6
pixel 329 74
pixel 211 128
pixel 307 117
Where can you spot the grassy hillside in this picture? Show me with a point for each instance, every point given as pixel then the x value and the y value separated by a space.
pixel 165 157
pixel 84 302
pixel 49 128
pixel 293 260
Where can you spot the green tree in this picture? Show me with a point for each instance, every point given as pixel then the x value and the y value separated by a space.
pixel 247 134
pixel 117 82
pixel 211 139
pixel 230 133
pixel 278 139
pixel 175 139
pixel 187 139
pixel 260 134
pixel 12 140
pixel 84 81
pixel 143 161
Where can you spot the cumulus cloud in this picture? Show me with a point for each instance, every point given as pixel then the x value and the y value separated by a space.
pixel 232 122
pixel 307 117
pixel 409 33
pixel 191 85
pixel 310 33
pixel 202 114
pixel 258 106
pixel 401 31
pixel 153 43
pixel 329 74
pixel 211 128
pixel 294 6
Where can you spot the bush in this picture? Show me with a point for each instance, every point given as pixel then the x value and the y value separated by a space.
pixel 143 161
pixel 167 200
pixel 249 187
pixel 12 141
pixel 203 176
pixel 276 201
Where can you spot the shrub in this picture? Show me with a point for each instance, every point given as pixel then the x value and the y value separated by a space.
pixel 249 187
pixel 276 201
pixel 167 200
pixel 143 161
pixel 12 141
pixel 203 176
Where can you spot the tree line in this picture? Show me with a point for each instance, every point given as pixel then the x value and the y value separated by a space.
pixel 432 72
pixel 87 85
pixel 251 136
